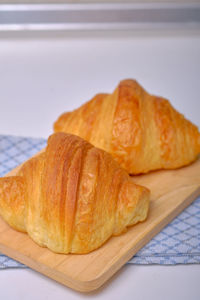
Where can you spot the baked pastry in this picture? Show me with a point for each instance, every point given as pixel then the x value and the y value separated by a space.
pixel 72 197
pixel 142 132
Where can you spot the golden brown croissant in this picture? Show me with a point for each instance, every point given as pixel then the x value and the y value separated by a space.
pixel 72 197
pixel 142 132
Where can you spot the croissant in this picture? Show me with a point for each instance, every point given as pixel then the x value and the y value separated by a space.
pixel 142 132
pixel 72 197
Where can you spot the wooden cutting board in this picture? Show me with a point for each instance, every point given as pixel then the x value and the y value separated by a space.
pixel 171 192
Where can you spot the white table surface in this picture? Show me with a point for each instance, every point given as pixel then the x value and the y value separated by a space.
pixel 42 75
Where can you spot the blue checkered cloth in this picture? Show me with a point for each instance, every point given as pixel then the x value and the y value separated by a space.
pixel 178 243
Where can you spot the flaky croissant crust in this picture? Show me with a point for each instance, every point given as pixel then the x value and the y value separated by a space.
pixel 141 131
pixel 72 197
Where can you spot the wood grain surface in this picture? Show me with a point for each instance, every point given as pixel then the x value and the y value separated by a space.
pixel 171 192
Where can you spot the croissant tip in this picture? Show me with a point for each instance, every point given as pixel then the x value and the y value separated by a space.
pixel 129 82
